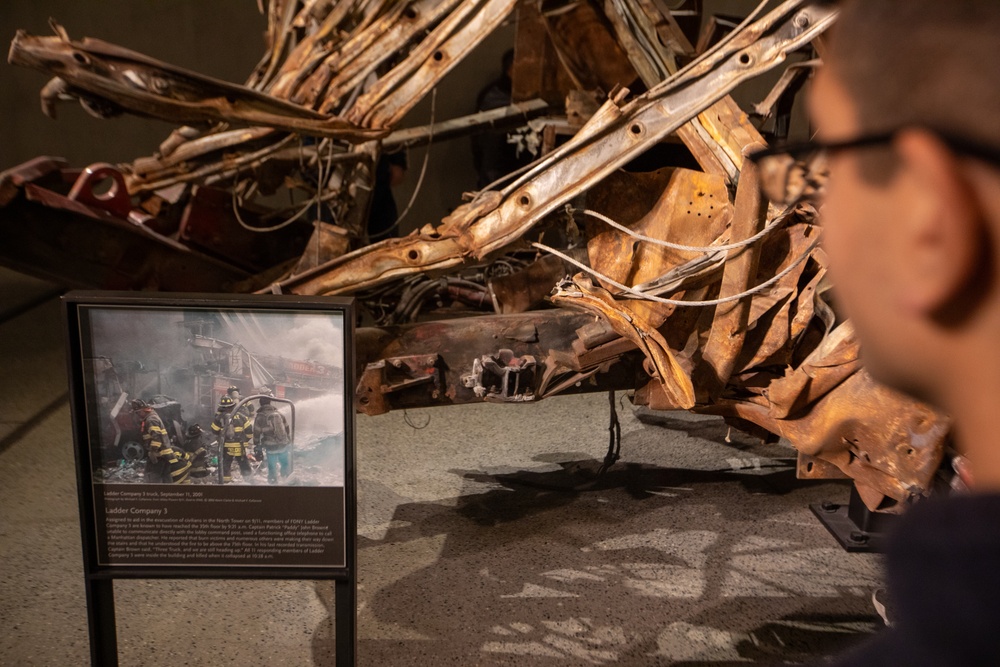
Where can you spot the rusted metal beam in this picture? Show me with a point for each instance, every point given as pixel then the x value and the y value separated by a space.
pixel 614 136
pixel 729 327
pixel 493 119
pixel 148 87
pixel 429 364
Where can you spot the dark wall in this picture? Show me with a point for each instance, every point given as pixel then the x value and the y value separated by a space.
pixel 221 38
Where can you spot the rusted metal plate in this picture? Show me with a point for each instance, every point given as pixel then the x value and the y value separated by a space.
pixel 729 327
pixel 458 345
pixel 527 289
pixel 875 435
pixel 694 209
pixel 210 224
pixel 89 248
pixel 811 467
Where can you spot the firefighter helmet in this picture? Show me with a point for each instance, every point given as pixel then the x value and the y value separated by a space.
pixel 138 404
pixel 226 402
pixel 233 389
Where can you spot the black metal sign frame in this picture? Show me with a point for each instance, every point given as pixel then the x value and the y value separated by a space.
pixel 153 518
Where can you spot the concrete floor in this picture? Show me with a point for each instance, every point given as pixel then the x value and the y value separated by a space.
pixel 484 539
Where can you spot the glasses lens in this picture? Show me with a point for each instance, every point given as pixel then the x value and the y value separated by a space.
pixel 787 179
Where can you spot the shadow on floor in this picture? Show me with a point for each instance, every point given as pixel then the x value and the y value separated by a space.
pixel 640 566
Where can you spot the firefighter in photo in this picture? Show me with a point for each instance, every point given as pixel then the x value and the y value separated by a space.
pixel 164 463
pixel 196 451
pixel 271 433
pixel 234 393
pixel 237 434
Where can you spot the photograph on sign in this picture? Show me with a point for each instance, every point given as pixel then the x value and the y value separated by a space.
pixel 216 435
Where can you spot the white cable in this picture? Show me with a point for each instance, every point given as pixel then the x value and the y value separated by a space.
pixel 317 199
pixel 679 246
pixel 676 302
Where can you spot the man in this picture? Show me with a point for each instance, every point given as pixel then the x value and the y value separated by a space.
pixel 236 432
pixel 390 172
pixel 492 155
pixel 271 433
pixel 165 464
pixel 905 105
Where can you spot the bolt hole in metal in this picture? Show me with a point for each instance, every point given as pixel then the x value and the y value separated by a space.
pixel 637 129
pixel 745 59
pixel 413 255
pixel 809 467
pixel 80 58
pixel 438 56
pixel 410 13
pixel 104 188
pixel 524 201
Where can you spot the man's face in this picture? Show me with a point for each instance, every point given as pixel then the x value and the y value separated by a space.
pixel 858 221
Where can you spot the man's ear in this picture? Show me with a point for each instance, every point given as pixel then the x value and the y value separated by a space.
pixel 942 227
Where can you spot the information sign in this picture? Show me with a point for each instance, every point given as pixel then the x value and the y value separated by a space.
pixel 214 439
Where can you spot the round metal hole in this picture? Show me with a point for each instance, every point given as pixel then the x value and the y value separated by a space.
pixel 524 201
pixel 80 58
pixel 636 128
pixel 745 59
pixel 438 56
pixel 413 255
pixel 104 188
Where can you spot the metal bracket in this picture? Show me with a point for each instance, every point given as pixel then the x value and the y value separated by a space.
pixel 855 527
pixel 394 375
pixel 503 377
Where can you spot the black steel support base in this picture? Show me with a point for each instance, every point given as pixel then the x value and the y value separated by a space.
pixel 856 528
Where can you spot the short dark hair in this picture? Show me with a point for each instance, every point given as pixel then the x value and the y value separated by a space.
pixel 921 62
pixel 265 401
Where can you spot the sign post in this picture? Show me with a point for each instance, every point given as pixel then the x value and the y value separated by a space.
pixel 164 450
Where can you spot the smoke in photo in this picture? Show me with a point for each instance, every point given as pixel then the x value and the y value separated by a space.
pixel 185 359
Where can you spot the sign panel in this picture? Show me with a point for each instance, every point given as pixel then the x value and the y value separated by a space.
pixel 214 434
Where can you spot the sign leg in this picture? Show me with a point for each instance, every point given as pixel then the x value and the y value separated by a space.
pixel 101 618
pixel 345 617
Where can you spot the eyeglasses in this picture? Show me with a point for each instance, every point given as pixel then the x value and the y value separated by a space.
pixel 796 172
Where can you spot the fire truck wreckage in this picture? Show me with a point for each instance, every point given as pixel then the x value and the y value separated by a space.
pixel 684 285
